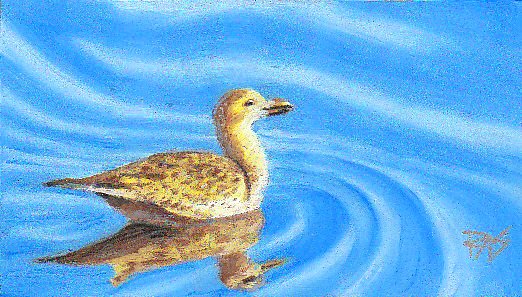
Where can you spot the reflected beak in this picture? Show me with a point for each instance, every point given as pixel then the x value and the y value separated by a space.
pixel 268 265
pixel 278 106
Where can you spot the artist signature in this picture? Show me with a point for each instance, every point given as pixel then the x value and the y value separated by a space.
pixel 478 241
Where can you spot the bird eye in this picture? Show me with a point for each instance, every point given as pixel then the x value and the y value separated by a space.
pixel 249 102
pixel 250 280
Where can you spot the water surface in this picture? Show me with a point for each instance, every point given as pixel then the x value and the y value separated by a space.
pixel 406 133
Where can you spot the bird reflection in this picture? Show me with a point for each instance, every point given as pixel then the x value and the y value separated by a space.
pixel 154 239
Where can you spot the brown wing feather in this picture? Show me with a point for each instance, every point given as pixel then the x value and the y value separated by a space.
pixel 175 181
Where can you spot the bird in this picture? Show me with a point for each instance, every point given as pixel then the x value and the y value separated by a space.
pixel 147 245
pixel 199 185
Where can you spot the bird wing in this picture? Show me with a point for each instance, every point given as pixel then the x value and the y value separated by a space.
pixel 175 181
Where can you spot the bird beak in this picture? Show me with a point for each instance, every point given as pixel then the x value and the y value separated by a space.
pixel 268 265
pixel 278 106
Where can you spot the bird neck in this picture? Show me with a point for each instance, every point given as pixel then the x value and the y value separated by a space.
pixel 241 144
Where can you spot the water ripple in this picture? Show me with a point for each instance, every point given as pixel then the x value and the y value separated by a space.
pixel 370 191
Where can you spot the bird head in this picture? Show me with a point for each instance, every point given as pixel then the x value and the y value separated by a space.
pixel 245 106
pixel 238 272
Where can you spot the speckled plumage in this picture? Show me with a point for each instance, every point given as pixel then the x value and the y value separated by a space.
pixel 191 184
pixel 199 185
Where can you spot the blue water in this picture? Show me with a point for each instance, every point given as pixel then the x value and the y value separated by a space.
pixel 407 131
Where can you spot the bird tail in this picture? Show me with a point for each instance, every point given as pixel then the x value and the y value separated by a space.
pixel 68 183
pixel 62 259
